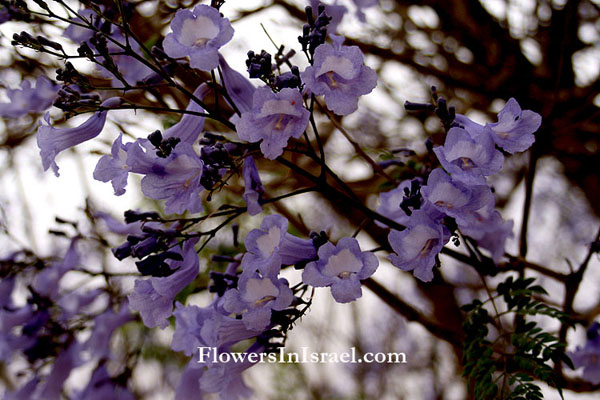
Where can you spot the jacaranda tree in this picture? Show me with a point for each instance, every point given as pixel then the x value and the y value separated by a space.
pixel 386 140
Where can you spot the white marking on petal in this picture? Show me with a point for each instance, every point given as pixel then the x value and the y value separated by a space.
pixel 271 107
pixel 342 264
pixel 198 31
pixel 340 65
pixel 269 241
pixel 260 291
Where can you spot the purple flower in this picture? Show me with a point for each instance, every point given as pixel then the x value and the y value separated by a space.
pixel 494 238
pixel 515 127
pixel 80 34
pixel 178 182
pixel 29 100
pixel 198 34
pixel 335 11
pixel 487 227
pixel 26 392
pixel 7 284
pixel 390 202
pixel 469 157
pixel 417 246
pixel 588 357
pixel 226 379
pixel 117 226
pixel 52 141
pixel 339 74
pixel 153 297
pixel 66 361
pixel 255 297
pixel 103 386
pixel 206 327
pixel 362 4
pixel 46 282
pixel 190 126
pixel 105 324
pixel 189 383
pixel 175 179
pixel 271 246
pixel 114 168
pixel 275 117
pixel 451 197
pixel 238 87
pixel 341 267
pixel 253 186
pixel 9 320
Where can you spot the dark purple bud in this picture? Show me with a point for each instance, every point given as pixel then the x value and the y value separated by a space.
pixel 123 251
pixel 133 216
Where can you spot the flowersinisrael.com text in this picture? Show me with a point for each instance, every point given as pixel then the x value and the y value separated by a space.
pixel 211 355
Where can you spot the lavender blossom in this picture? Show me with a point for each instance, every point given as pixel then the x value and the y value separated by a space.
pixel 65 362
pixel 29 100
pixel 451 197
pixel 515 127
pixel 416 247
pixel 339 74
pixel 239 88
pixel 190 126
pixel 255 298
pixel 487 227
pixel 588 356
pixel 153 297
pixel 253 186
pixel 178 183
pixel 46 282
pixel 341 267
pixel 52 141
pixel 469 158
pixel 198 34
pixel 271 246
pixel 10 340
pixel 226 379
pixel 105 324
pixel 206 327
pixel 275 117
pixel 114 168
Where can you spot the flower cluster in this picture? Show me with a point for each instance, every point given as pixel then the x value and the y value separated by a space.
pixel 41 329
pixel 459 191
pixel 29 99
pixel 269 281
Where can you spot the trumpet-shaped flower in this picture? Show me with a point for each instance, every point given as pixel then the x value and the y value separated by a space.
pixel 515 127
pixel 452 197
pixel 341 267
pixel 198 34
pixel 271 246
pixel 469 158
pixel 253 186
pixel 416 247
pixel 52 141
pixel 339 74
pixel 153 297
pixel 275 117
pixel 28 99
pixel 255 297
